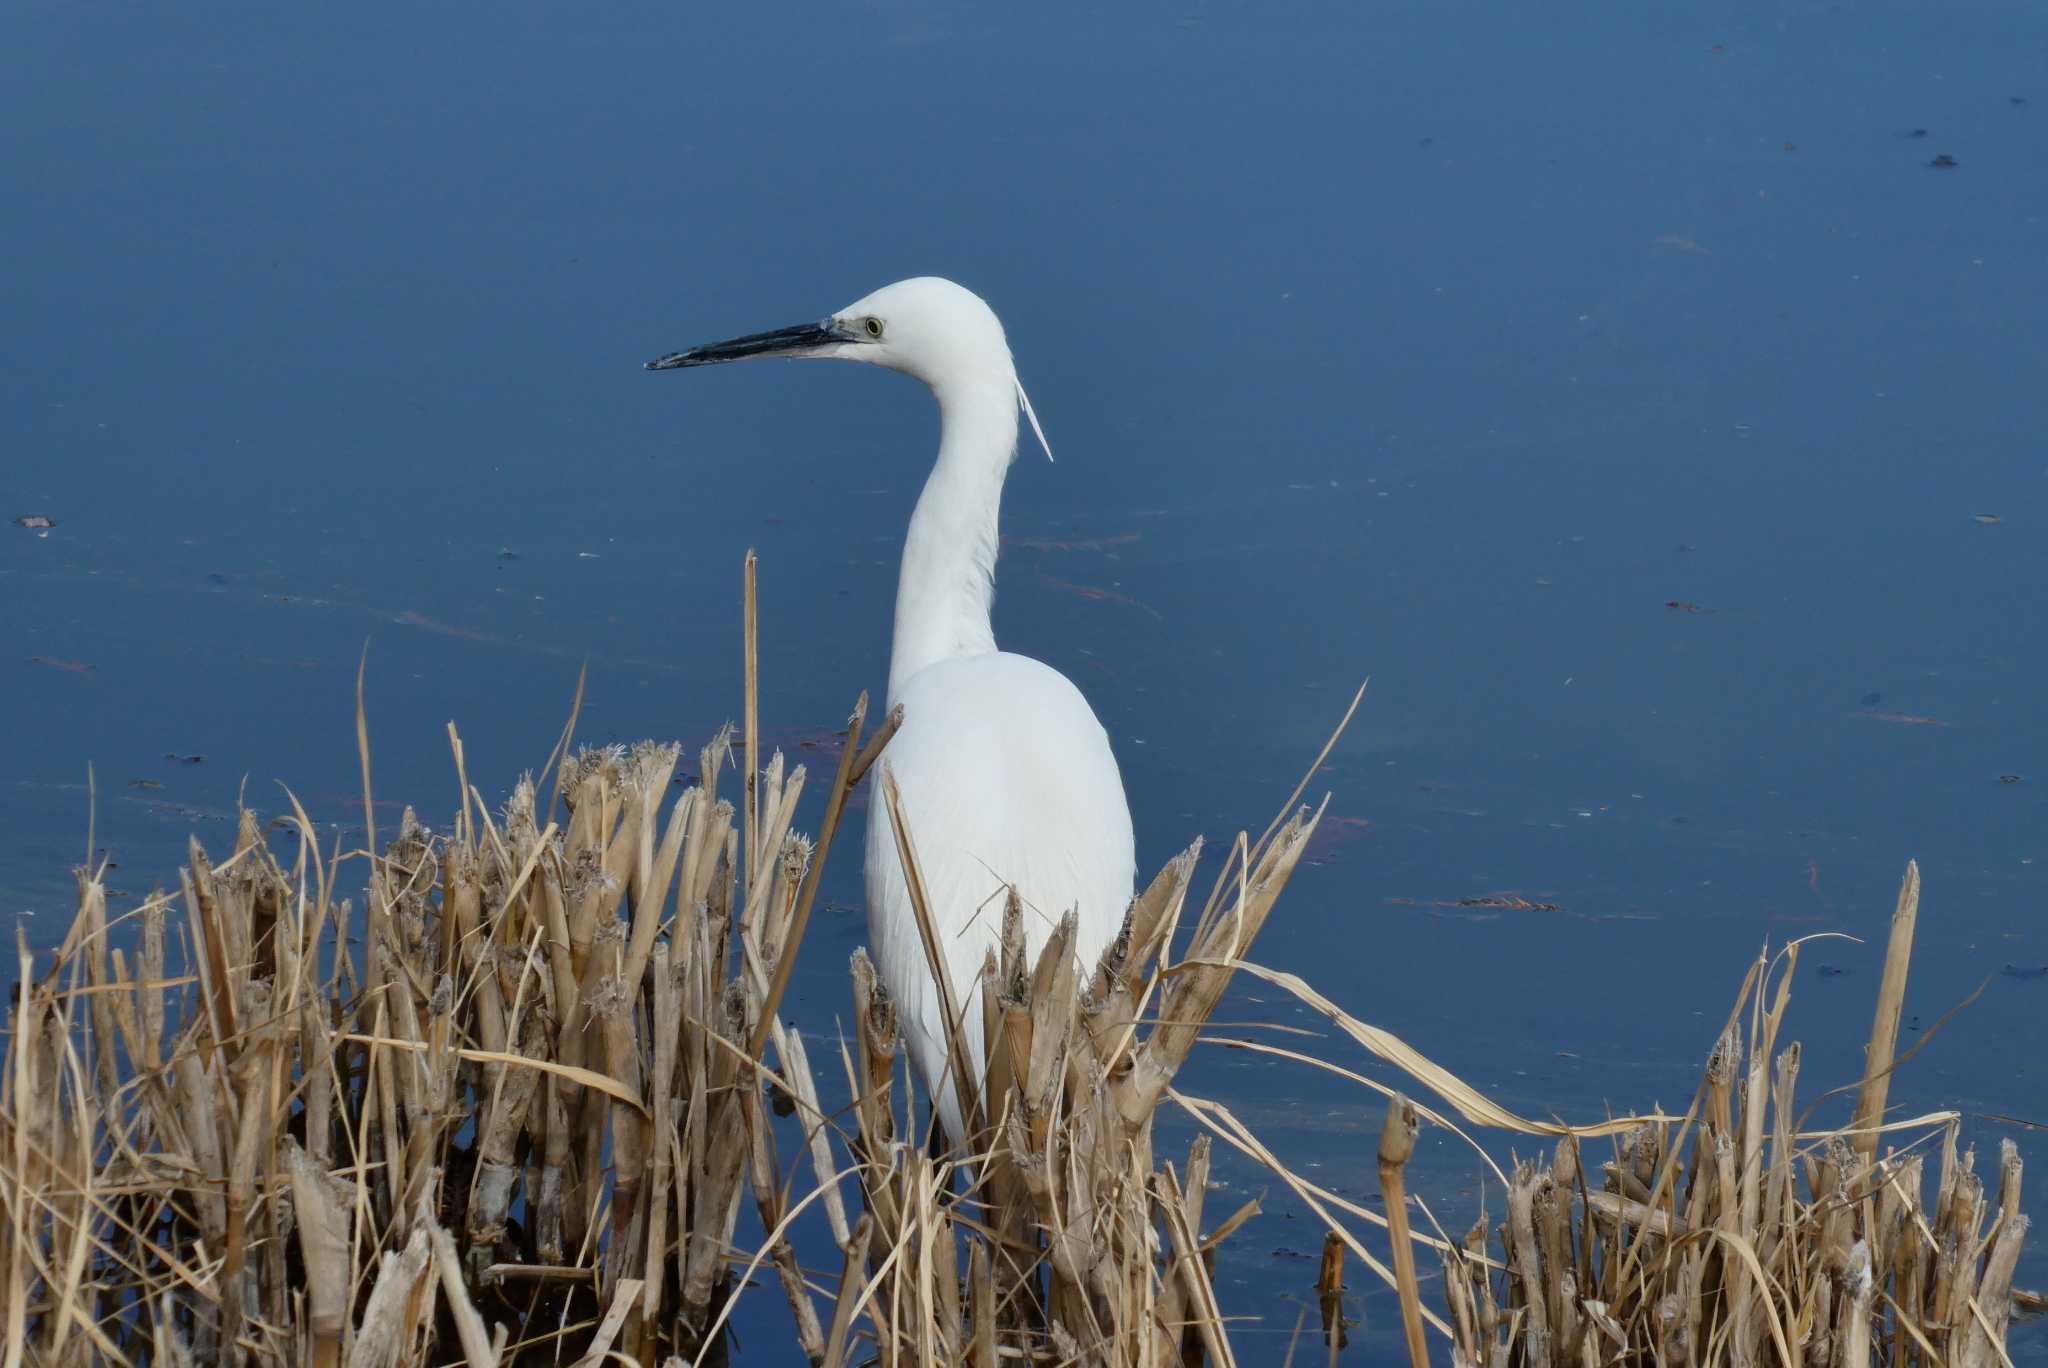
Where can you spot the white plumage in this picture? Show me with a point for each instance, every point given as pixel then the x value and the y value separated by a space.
pixel 1006 776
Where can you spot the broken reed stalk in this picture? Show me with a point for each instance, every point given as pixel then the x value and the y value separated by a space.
pixel 835 804
pixel 752 691
pixel 1891 1003
pixel 1397 1143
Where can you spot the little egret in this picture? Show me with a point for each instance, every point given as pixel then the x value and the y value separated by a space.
pixel 1006 776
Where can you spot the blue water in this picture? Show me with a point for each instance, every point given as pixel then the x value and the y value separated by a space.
pixel 1443 344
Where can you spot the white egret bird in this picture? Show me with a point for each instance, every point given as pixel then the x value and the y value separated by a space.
pixel 1006 776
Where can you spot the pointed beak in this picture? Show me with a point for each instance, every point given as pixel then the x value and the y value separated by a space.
pixel 804 339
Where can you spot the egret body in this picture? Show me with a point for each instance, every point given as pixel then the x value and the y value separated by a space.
pixel 1006 776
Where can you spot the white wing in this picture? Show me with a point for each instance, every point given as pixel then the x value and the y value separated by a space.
pixel 1006 778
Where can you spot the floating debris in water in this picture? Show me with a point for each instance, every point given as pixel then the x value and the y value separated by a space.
pixel 1491 902
pixel 1097 594
pixel 2008 778
pixel 825 741
pixel 1683 606
pixel 35 522
pixel 1987 519
pixel 1902 719
pixel 77 667
pixel 1832 971
pixel 1331 836
pixel 178 759
pixel 1679 242
pixel 425 623
pixel 1944 162
pixel 148 784
pixel 2025 971
pixel 1079 544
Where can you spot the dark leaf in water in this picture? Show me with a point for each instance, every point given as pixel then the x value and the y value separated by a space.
pixel 2025 971
pixel 77 667
pixel 178 759
pixel 1680 605
pixel 1331 836
pixel 1832 971
pixel 2008 778
pixel 1943 162
pixel 1917 133
pixel 35 522
pixel 216 577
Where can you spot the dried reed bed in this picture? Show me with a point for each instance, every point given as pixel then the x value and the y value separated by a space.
pixel 532 1099
pixel 1738 1233
pixel 535 1101
pixel 513 1113
pixel 518 1117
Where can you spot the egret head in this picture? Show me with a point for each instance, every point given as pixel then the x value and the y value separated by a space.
pixel 927 327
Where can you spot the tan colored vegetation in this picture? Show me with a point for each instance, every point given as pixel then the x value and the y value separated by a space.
pixel 515 1108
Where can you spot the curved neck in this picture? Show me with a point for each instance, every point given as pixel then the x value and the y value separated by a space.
pixel 947 583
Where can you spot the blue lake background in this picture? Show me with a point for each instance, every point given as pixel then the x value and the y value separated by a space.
pixel 1624 390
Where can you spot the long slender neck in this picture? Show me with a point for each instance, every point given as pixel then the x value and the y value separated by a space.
pixel 947 583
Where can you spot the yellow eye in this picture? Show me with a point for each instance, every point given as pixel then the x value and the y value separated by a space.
pixel 873 326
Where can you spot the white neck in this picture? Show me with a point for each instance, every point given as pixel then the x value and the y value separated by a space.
pixel 947 583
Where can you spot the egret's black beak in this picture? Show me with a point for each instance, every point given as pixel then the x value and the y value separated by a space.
pixel 804 337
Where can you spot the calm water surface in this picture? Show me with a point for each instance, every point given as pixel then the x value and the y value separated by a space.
pixel 1452 345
